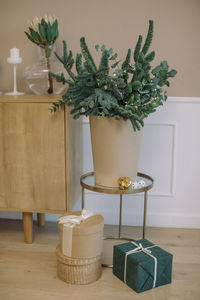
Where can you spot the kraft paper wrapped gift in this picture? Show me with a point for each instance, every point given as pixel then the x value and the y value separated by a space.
pixel 142 265
pixel 81 234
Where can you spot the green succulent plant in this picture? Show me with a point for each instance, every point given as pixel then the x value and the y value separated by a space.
pixel 132 91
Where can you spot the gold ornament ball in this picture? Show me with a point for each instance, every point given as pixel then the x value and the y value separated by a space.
pixel 124 183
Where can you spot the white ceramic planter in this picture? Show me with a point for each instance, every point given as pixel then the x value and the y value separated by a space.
pixel 115 149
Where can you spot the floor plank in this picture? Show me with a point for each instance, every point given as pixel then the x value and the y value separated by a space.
pixel 28 271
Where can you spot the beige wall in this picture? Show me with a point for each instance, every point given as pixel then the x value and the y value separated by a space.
pixel 116 23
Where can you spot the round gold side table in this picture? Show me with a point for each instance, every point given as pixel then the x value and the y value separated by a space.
pixel 88 182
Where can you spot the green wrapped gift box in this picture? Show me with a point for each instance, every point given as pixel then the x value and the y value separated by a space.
pixel 142 265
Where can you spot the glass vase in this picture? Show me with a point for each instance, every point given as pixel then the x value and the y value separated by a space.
pixel 38 76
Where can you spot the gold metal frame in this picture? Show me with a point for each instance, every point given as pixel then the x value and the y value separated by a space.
pixel 113 190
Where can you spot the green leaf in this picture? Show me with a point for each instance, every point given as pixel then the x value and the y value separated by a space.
pixel 141 57
pixel 149 38
pixel 59 58
pixel 82 110
pixel 164 65
pixel 131 99
pixel 55 24
pixel 35 36
pixel 54 30
pixel 172 73
pixel 104 62
pixel 129 88
pixel 30 38
pixel 144 91
pixel 126 63
pixel 120 83
pixel 115 64
pixel 103 48
pixel 65 55
pixel 97 47
pixel 44 23
pixel 156 70
pixel 79 67
pixel 87 55
pixel 42 32
pixel 150 56
pixel 162 82
pixel 76 116
pixel 116 92
pixel 136 85
pixel 114 56
pixel 91 104
pixel 110 51
pixel 49 36
pixel 137 48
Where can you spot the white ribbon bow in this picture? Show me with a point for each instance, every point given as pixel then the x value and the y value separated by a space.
pixel 72 220
pixel 146 250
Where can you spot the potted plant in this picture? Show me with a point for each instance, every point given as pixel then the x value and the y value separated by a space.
pixel 117 99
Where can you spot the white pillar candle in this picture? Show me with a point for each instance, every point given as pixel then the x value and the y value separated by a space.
pixel 14 53
pixel 14 59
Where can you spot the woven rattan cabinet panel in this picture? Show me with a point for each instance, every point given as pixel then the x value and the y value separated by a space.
pixel 31 141
pixel 38 164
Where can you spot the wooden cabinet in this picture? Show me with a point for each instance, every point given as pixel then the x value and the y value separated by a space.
pixel 40 157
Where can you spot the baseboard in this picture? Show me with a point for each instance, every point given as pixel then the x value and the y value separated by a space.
pixel 130 219
pixel 154 220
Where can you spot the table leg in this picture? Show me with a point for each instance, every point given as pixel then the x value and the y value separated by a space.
pixel 40 219
pixel 28 227
pixel 83 197
pixel 120 216
pixel 144 216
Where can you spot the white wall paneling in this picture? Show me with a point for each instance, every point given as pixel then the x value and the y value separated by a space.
pixel 170 154
pixel 158 155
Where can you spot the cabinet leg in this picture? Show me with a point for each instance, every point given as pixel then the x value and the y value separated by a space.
pixel 40 219
pixel 28 227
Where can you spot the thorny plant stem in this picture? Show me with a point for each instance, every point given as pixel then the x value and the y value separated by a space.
pixel 50 79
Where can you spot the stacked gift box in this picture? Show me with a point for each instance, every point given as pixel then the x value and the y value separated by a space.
pixel 79 252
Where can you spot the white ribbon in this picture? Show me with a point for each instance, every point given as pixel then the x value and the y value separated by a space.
pixel 69 222
pixel 72 220
pixel 146 250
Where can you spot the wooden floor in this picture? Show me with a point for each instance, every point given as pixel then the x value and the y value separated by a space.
pixel 28 271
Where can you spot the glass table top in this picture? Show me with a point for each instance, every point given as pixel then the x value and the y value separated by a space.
pixel 88 182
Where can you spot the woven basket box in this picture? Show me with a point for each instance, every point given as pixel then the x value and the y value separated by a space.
pixel 76 270
pixel 84 240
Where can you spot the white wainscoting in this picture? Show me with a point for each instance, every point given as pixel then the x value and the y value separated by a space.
pixel 171 155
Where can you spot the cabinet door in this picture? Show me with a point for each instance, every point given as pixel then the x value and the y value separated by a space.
pixel 32 157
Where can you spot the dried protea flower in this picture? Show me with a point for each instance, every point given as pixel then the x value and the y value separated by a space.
pixel 49 19
pixel 34 24
pixel 43 31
